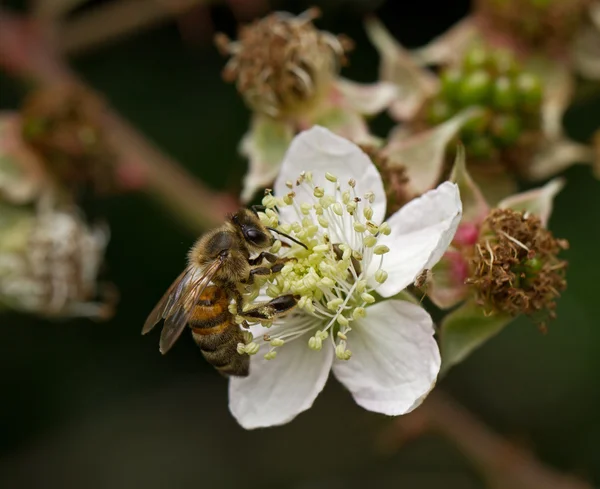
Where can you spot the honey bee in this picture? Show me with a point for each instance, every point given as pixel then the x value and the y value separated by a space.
pixel 219 266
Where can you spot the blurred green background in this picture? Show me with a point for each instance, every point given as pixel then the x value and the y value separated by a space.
pixel 94 405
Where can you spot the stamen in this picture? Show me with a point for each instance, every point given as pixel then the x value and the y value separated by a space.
pixel 332 278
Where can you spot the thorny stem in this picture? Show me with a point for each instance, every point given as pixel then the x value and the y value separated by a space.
pixel 503 465
pixel 26 52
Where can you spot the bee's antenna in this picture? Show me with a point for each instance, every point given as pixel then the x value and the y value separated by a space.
pixel 288 237
pixel 258 208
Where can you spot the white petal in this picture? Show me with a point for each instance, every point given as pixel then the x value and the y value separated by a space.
pixel 277 390
pixel 367 99
pixel 421 232
pixel 264 145
pixel 320 151
pixel 395 359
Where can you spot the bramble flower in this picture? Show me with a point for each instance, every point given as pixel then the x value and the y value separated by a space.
pixel 49 263
pixel 287 72
pixel 330 196
pixel 502 263
pixel 491 96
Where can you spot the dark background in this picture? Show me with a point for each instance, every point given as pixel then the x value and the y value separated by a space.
pixel 94 405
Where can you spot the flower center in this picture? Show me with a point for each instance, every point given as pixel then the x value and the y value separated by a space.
pixel 282 64
pixel 515 268
pixel 338 271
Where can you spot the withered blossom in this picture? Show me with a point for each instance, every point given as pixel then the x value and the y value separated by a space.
pixel 287 72
pixel 63 126
pixel 503 262
pixel 49 264
pixel 515 268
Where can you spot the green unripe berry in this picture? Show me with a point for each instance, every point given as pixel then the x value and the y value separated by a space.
pixel 475 126
pixel 529 90
pixel 451 79
pixel 439 110
pixel 506 129
pixel 505 63
pixel 475 89
pixel 481 147
pixel 477 57
pixel 504 96
pixel 533 265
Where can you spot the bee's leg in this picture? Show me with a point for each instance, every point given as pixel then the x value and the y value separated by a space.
pixel 273 308
pixel 264 270
pixel 265 255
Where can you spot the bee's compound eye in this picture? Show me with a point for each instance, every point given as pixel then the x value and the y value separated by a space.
pixel 256 236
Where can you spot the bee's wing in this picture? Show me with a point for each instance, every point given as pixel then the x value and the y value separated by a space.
pixel 164 304
pixel 178 313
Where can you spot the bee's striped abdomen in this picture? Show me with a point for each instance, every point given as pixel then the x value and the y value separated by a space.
pixel 216 333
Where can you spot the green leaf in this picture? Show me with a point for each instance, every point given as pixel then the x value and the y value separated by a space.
pixel 464 330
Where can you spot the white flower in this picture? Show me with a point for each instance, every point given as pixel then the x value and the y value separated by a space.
pixel 331 197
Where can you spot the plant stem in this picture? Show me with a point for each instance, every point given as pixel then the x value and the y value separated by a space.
pixel 26 52
pixel 504 465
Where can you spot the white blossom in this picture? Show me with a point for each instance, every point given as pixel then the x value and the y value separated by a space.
pixel 330 196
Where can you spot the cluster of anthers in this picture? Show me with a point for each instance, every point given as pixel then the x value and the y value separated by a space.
pixel 335 275
pixel 282 64
pixel 515 268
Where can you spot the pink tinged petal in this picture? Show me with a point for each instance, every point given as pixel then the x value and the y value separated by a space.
pixel 346 123
pixel 594 12
pixel 475 208
pixel 414 84
pixel 466 329
pixel 558 92
pixel 277 390
pixel 423 154
pixel 366 99
pixel 264 146
pixel 450 47
pixel 395 359
pixel 586 52
pixel 447 287
pixel 421 231
pixel 494 182
pixel 537 201
pixel 558 155
pixel 320 151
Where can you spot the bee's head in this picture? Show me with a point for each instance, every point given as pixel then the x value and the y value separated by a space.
pixel 255 233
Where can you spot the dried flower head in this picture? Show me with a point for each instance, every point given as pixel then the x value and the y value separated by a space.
pixel 282 64
pixel 545 24
pixel 63 125
pixel 515 267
